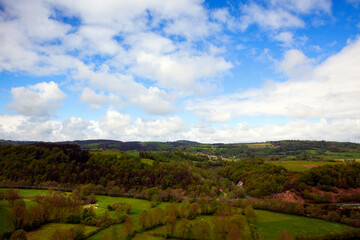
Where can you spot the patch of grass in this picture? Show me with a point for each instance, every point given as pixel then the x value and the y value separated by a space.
pixel 137 205
pixel 147 161
pixel 146 236
pixel 260 145
pixel 161 230
pixel 135 154
pixel 342 155
pixel 46 231
pixel 28 193
pixel 4 209
pixel 270 224
pixel 109 233
pixel 301 166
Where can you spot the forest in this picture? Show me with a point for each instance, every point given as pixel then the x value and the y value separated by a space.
pixel 181 184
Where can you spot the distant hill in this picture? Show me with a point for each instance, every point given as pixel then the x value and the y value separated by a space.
pixel 272 150
pixel 105 144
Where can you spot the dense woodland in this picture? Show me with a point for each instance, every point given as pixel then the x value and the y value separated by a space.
pixel 68 165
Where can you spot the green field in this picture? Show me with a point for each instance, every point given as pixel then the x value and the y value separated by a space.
pixel 161 230
pixel 342 155
pixel 147 161
pixel 4 208
pixel 28 193
pixel 260 145
pixel 301 166
pixel 138 205
pixel 110 233
pixel 46 231
pixel 270 224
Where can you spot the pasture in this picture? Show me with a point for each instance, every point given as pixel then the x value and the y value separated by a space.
pixel 301 166
pixel 270 224
pixel 48 230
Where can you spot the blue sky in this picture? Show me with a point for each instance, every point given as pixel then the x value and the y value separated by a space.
pixel 207 71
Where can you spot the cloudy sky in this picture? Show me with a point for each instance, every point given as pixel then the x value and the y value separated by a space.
pixel 208 71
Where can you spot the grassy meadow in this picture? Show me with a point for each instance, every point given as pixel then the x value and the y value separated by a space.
pixel 270 224
pixel 47 231
pixel 301 166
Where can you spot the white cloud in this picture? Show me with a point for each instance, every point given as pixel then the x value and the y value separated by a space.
pixel 115 124
pixel 179 71
pixel 328 90
pixel 223 16
pixel 268 18
pixel 41 99
pixel 304 6
pixel 285 37
pixel 123 127
pixel 152 99
pixel 295 64
pixel 120 35
pixel 279 14
pixel 96 100
pixel 303 130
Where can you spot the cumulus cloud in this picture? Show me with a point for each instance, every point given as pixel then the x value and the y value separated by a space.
pixel 41 99
pixel 243 132
pixel 268 18
pixel 156 40
pixel 285 37
pixel 174 71
pixel 295 64
pixel 327 90
pixel 152 99
pixel 278 14
pixel 96 100
pixel 118 126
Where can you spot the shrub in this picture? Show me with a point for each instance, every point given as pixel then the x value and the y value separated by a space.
pixel 18 235
pixel 73 218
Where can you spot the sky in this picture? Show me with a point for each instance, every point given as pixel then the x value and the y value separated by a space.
pixel 157 70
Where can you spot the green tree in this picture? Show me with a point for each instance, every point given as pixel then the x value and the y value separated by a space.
pixel 128 227
pixel 221 227
pixel 249 212
pixel 18 216
pixel 170 222
pixel 201 230
pixel 18 235
pixel 143 218
pixel 12 195
pixel 182 227
pixel 234 233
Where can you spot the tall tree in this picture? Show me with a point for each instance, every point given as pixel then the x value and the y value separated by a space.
pixel 18 216
pixel 182 228
pixel 128 227
pixel 202 230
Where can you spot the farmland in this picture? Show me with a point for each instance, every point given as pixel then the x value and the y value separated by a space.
pixel 301 166
pixel 268 224
pixel 271 224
